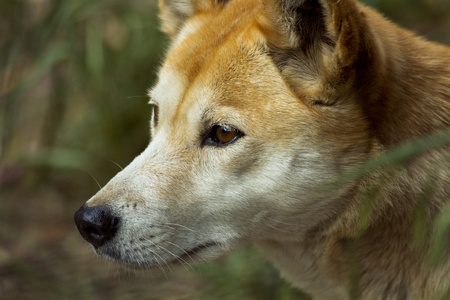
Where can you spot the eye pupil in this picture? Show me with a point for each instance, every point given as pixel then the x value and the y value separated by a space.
pixel 225 135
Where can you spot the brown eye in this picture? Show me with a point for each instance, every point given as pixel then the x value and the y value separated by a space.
pixel 155 115
pixel 220 136
pixel 225 135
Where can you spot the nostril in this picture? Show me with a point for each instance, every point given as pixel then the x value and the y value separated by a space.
pixel 91 231
pixel 97 224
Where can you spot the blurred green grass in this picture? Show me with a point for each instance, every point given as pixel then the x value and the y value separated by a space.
pixel 73 82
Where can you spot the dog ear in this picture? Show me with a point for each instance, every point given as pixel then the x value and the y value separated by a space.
pixel 303 22
pixel 327 40
pixel 174 13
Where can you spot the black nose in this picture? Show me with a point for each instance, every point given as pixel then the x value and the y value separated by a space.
pixel 97 224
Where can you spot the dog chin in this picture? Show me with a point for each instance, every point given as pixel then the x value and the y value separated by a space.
pixel 197 255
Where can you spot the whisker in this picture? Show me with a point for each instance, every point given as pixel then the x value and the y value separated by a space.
pixel 179 225
pixel 95 180
pixel 166 226
pixel 176 256
pixel 185 252
pixel 111 161
pixel 164 261
pixel 109 267
pixel 141 259
pixel 141 264
pixel 281 230
pixel 280 222
pixel 202 259
pixel 159 264
pixel 129 97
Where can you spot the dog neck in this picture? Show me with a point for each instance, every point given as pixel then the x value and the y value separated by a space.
pixel 413 82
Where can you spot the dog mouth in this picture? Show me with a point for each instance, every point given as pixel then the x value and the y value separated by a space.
pixel 201 247
pixel 193 256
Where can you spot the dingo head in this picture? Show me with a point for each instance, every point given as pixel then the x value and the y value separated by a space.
pixel 257 106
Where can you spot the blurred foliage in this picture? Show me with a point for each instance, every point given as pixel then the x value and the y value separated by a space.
pixel 74 80
pixel 430 18
pixel 73 106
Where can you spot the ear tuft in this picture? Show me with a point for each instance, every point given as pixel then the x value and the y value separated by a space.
pixel 173 14
pixel 305 22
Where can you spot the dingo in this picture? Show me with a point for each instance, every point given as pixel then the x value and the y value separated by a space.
pixel 259 105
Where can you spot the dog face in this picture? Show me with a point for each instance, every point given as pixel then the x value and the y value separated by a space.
pixel 237 154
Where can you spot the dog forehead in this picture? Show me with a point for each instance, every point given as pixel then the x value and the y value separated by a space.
pixel 219 72
pixel 169 89
pixel 205 42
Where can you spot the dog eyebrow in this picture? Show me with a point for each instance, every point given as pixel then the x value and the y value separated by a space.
pixel 206 115
pixel 152 100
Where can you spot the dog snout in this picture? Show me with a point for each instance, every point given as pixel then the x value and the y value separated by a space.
pixel 97 224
